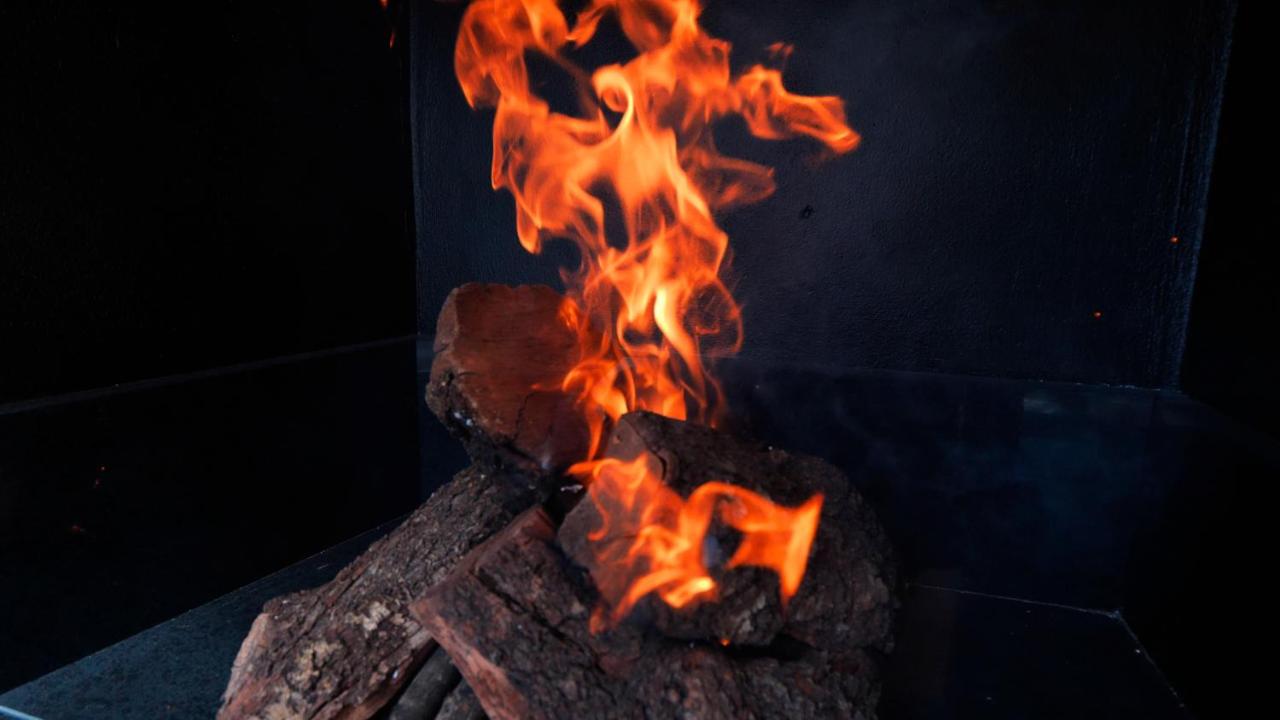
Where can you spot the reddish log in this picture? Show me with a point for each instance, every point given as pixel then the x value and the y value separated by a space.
pixel 501 354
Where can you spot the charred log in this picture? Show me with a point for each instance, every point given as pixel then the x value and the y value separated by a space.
pixel 514 615
pixel 462 704
pixel 501 355
pixel 846 601
pixel 437 692
pixel 342 650
pixel 426 693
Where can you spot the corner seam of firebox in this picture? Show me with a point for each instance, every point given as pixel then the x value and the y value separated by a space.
pixel 1114 614
pixel 1141 649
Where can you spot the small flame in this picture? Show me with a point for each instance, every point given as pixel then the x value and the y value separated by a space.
pixel 647 304
pixel 651 540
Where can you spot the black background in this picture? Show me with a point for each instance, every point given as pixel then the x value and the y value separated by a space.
pixel 1231 357
pixel 1189 597
pixel 188 185
pixel 185 186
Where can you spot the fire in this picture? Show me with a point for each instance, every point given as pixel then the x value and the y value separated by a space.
pixel 634 179
pixel 651 540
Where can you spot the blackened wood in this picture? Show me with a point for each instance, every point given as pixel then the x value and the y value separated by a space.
pixel 501 355
pixel 462 704
pixel 343 649
pixel 426 693
pixel 847 599
pixel 514 616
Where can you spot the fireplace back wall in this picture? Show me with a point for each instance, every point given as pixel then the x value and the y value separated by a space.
pixel 187 187
pixel 1011 212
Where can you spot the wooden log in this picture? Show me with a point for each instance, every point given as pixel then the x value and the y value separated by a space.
pixel 426 693
pixel 501 355
pixel 514 616
pixel 847 599
pixel 462 704
pixel 343 649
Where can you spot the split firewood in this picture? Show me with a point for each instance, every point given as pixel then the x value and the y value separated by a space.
pixel 515 617
pixel 342 650
pixel 501 355
pixel 846 600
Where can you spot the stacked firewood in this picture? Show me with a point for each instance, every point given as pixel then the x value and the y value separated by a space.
pixel 480 604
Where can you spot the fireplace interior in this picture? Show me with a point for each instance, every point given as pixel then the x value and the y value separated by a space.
pixel 1008 346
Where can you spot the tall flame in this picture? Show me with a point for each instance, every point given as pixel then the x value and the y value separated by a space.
pixel 648 303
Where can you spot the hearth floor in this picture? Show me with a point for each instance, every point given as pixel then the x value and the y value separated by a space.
pixel 959 655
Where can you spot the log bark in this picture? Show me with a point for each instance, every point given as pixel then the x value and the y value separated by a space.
pixel 501 355
pixel 848 597
pixel 514 616
pixel 343 649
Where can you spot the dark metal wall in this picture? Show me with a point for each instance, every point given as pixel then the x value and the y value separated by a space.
pixel 1214 530
pixel 1025 167
pixel 1230 359
pixel 184 186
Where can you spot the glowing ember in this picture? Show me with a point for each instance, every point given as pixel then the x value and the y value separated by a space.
pixel 648 303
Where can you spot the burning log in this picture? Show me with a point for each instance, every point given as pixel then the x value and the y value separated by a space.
pixel 846 599
pixel 740 581
pixel 342 650
pixel 501 355
pixel 515 616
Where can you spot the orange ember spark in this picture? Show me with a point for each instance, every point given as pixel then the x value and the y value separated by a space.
pixel 647 304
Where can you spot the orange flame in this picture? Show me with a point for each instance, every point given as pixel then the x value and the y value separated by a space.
pixel 648 303
pixel 651 540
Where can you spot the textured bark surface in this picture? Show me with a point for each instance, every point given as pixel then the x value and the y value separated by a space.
pixel 847 599
pixel 514 616
pixel 343 649
pixel 501 354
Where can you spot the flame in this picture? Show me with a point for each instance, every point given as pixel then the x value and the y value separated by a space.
pixel 651 540
pixel 634 179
